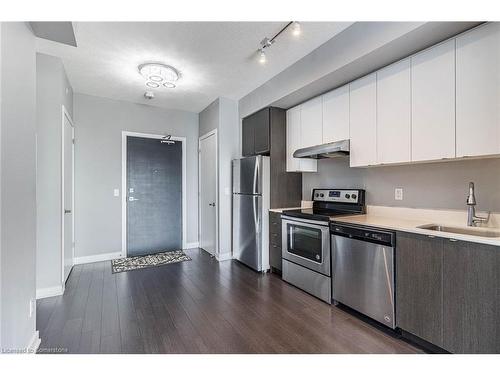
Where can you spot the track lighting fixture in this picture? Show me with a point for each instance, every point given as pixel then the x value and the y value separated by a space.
pixel 268 42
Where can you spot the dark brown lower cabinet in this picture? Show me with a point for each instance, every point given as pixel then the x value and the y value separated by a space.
pixel 419 287
pixel 275 240
pixel 448 292
pixel 471 297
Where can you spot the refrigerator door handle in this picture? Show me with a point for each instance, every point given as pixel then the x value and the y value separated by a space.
pixel 256 176
pixel 256 214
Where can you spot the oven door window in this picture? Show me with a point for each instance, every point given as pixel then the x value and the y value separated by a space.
pixel 305 242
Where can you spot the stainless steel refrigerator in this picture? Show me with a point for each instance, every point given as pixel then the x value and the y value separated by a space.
pixel 251 185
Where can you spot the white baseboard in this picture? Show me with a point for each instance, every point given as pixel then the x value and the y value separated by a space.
pixel 192 245
pixel 223 257
pixel 97 258
pixel 34 343
pixel 49 292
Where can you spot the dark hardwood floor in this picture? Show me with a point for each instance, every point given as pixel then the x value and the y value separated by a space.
pixel 198 306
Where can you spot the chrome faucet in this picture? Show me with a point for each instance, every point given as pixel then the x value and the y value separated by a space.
pixel 472 219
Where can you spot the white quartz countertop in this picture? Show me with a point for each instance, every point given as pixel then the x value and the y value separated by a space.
pixel 409 220
pixel 304 204
pixel 280 210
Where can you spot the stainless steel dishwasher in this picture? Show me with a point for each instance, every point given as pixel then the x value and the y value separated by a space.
pixel 363 270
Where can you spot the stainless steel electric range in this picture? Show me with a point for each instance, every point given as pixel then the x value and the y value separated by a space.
pixel 306 249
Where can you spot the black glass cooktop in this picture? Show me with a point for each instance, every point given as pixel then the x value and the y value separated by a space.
pixel 316 214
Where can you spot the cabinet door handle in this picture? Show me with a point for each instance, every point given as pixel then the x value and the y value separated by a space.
pixel 453 240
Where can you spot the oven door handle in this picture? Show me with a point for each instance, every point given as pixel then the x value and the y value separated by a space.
pixel 306 222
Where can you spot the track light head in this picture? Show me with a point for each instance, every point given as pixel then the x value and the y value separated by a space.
pixel 263 57
pixel 296 28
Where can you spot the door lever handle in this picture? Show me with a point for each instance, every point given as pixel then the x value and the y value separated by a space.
pixel 132 199
pixel 67 211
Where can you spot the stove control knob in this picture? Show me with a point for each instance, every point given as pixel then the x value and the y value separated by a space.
pixel 353 196
pixel 322 195
pixel 347 196
pixel 316 195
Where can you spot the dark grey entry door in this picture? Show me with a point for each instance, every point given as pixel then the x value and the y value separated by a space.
pixel 154 196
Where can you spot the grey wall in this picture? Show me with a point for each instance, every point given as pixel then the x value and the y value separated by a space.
pixel 53 91
pixel 222 114
pixel 442 185
pixel 228 150
pixel 99 123
pixel 18 184
pixel 209 118
pixel 0 185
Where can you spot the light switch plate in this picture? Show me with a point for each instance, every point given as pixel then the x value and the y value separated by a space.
pixel 32 307
pixel 116 192
pixel 398 194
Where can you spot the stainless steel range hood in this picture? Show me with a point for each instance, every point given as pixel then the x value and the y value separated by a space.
pixel 328 150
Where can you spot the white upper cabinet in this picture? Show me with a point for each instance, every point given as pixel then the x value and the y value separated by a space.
pixel 312 122
pixel 478 91
pixel 336 115
pixel 441 103
pixel 363 121
pixel 433 103
pixel 394 113
pixel 293 142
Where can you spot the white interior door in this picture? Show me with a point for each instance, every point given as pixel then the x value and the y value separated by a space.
pixel 208 193
pixel 67 167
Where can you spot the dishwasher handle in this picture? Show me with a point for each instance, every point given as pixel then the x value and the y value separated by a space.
pixel 381 237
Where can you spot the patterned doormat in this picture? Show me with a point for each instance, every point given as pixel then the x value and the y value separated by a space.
pixel 146 261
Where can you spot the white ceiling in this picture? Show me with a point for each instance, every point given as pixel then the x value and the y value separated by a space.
pixel 214 58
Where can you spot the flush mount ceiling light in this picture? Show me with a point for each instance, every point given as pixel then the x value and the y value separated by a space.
pixel 268 42
pixel 158 74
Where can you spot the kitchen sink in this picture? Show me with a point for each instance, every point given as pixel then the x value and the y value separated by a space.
pixel 480 232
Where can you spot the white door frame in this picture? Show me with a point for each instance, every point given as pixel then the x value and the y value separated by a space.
pixel 126 134
pixel 204 136
pixel 65 114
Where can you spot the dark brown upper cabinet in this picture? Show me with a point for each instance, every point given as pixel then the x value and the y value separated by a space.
pixel 264 133
pixel 256 139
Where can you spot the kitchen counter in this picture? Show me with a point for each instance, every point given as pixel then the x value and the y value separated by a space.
pixel 408 220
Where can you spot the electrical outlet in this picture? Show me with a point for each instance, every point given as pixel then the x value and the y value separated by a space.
pixel 398 194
